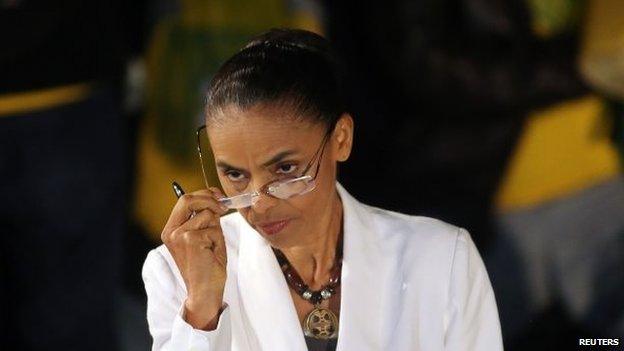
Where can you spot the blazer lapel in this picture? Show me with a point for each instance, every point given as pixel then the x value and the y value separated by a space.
pixel 364 279
pixel 265 295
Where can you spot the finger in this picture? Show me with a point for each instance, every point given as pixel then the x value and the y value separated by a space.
pixel 216 236
pixel 189 203
pixel 207 239
pixel 202 192
pixel 194 240
pixel 216 191
pixel 204 199
pixel 202 220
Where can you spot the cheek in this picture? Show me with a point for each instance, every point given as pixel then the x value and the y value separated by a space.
pixel 313 203
pixel 309 205
pixel 327 175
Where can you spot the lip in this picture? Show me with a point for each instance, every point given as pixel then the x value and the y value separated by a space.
pixel 271 228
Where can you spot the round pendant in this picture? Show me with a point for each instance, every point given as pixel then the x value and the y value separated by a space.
pixel 321 323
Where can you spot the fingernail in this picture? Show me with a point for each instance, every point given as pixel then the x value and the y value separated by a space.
pixel 223 207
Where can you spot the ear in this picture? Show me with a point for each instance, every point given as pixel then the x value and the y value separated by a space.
pixel 342 138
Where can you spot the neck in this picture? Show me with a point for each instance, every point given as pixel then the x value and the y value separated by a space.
pixel 314 259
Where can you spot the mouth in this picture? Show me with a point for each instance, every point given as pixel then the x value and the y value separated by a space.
pixel 271 228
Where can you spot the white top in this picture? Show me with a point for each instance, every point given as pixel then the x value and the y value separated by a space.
pixel 407 283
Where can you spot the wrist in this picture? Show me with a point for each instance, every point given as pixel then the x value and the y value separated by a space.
pixel 202 316
pixel 204 299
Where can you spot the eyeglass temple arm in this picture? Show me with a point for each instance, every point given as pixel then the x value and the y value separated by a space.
pixel 318 151
pixel 201 159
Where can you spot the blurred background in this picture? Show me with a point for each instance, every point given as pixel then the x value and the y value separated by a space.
pixel 505 117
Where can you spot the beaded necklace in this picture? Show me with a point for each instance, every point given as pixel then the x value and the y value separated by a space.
pixel 320 323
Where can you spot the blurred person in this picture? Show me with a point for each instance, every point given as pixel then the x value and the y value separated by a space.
pixel 62 145
pixel 301 264
pixel 447 86
pixel 560 209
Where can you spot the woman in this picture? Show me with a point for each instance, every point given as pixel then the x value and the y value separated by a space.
pixel 301 264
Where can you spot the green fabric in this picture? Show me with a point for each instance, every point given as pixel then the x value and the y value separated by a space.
pixel 190 58
pixel 553 17
pixel 189 48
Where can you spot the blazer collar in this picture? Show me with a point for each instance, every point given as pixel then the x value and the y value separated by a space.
pixel 267 301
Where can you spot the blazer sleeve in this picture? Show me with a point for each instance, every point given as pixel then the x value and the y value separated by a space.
pixel 165 308
pixel 471 317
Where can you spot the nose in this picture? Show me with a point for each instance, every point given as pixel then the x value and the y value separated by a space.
pixel 263 203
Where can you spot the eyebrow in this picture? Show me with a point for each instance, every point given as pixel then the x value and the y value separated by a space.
pixel 277 158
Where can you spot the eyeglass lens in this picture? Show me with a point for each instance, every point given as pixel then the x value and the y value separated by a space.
pixel 283 189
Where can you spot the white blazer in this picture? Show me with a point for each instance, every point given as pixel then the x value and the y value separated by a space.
pixel 408 283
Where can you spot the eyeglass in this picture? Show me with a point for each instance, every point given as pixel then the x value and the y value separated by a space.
pixel 284 188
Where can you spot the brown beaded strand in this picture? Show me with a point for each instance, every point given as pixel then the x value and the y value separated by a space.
pixel 296 283
pixel 320 323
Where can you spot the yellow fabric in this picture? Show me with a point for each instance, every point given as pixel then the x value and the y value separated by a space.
pixel 563 149
pixel 602 56
pixel 32 101
pixel 155 196
pixel 240 14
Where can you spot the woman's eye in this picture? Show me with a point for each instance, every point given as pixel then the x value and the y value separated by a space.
pixel 286 168
pixel 235 176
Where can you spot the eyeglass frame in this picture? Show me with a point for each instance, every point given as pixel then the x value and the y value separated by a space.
pixel 264 188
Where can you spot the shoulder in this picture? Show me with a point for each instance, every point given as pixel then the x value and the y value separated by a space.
pixel 161 275
pixel 419 242
pixel 442 254
pixel 411 229
pixel 159 262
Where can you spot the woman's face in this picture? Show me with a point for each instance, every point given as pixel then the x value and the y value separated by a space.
pixel 267 142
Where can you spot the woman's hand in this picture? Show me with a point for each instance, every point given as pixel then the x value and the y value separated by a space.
pixel 193 236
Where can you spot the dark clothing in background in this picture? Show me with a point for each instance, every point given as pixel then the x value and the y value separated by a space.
pixel 62 216
pixel 52 43
pixel 63 174
pixel 439 91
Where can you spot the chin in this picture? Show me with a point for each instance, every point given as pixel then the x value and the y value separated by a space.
pixel 283 239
